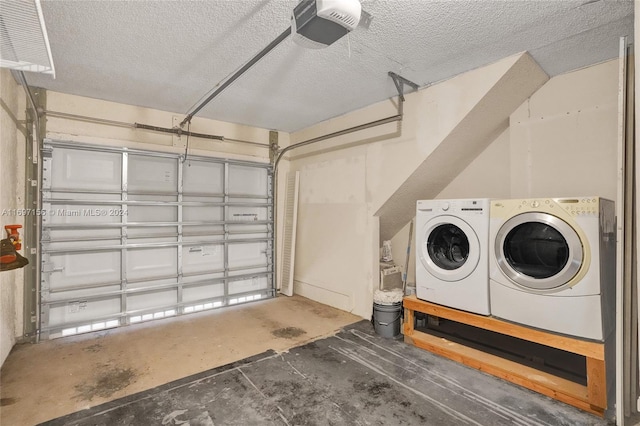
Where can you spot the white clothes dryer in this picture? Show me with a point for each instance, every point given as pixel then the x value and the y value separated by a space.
pixel 552 264
pixel 452 242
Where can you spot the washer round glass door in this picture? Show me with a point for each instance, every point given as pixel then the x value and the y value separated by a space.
pixel 538 251
pixel 449 249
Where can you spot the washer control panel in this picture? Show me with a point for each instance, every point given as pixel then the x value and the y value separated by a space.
pixel 461 206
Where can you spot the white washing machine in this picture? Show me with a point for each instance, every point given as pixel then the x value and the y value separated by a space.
pixel 452 241
pixel 552 264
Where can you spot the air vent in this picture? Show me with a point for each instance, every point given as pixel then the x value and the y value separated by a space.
pixel 24 45
pixel 349 20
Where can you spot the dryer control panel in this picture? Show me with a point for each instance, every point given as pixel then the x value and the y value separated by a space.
pixel 580 206
pixel 570 207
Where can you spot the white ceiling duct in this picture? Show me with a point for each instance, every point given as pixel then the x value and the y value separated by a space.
pixel 24 45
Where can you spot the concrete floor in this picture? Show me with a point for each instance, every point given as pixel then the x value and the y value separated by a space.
pixel 55 378
pixel 47 380
pixel 352 378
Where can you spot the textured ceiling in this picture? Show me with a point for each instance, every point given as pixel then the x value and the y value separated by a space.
pixel 169 54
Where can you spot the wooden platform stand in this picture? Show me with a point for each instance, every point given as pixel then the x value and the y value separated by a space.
pixel 591 398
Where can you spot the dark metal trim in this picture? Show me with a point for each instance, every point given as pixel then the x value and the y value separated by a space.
pixel 391 119
pixel 237 74
pixel 178 131
pixel 400 81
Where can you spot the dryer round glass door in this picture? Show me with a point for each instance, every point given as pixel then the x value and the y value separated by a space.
pixel 538 251
pixel 449 249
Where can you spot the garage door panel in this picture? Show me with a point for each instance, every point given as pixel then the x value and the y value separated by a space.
pixel 151 283
pixel 70 270
pixel 151 262
pixel 202 234
pixel 200 277
pixel 249 285
pixel 80 294
pixel 249 199
pixel 202 198
pixel 60 196
pixel 83 214
pixel 135 232
pixel 247 214
pixel 245 180
pixel 153 239
pixel 198 293
pixel 156 198
pixel 152 300
pixel 202 214
pixel 60 235
pixel 257 270
pixel 247 254
pixel 244 235
pixel 152 174
pixel 139 235
pixel 202 177
pixel 79 311
pixel 203 258
pixel 86 170
pixel 152 213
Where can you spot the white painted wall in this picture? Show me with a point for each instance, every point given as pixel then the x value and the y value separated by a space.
pixel 345 181
pixel 11 198
pixel 564 139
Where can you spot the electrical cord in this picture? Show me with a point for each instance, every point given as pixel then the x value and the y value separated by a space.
pixel 186 148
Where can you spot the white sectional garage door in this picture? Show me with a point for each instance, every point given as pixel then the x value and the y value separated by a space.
pixel 129 236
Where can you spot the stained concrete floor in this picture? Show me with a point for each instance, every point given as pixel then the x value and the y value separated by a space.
pixel 352 378
pixel 50 379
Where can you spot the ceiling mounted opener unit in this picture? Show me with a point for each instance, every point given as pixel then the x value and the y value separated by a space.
pixel 319 23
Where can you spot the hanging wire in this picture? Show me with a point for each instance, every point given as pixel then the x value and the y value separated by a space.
pixel 186 148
